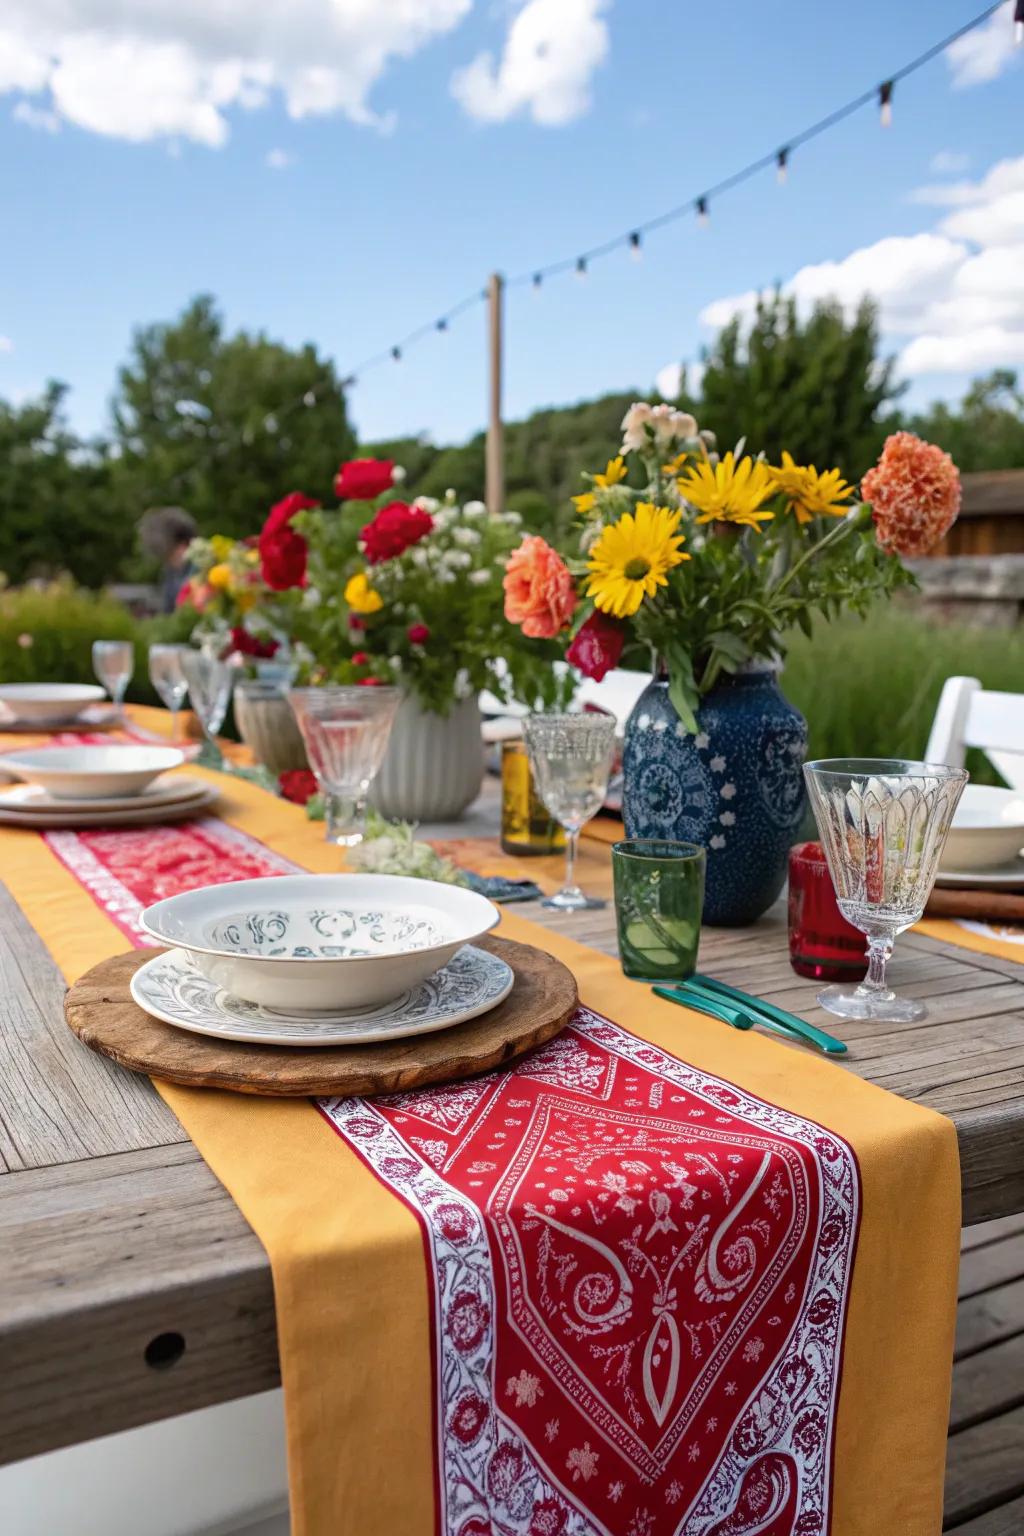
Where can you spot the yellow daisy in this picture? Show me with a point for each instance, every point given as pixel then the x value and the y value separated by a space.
pixel 728 492
pixel 811 494
pixel 674 466
pixel 585 502
pixel 614 472
pixel 219 576
pixel 360 596
pixel 221 546
pixel 632 557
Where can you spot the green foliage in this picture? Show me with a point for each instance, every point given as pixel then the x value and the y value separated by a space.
pixel 986 431
pixel 813 386
pixel 869 687
pixel 46 632
pixel 218 424
pixel 55 509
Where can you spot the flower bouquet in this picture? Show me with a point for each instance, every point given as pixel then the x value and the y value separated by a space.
pixel 698 566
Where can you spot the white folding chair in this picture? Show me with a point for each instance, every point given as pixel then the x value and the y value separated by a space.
pixel 968 716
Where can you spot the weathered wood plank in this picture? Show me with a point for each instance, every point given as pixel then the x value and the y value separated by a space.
pixel 990 1232
pixel 1008 1520
pixel 984 1468
pixel 983 1269
pixel 97 1260
pixel 984 1320
pixel 988 1384
pixel 58 1100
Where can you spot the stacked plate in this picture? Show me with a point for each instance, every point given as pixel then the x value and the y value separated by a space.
pixel 106 786
pixel 984 845
pixel 47 706
pixel 321 960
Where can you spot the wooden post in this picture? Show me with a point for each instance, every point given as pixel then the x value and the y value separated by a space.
pixel 495 461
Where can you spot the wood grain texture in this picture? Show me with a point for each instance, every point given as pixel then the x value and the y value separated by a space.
pixel 58 1101
pixel 984 1468
pixel 1007 1520
pixel 101 1012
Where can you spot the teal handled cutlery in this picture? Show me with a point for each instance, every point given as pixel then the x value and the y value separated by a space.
pixel 705 994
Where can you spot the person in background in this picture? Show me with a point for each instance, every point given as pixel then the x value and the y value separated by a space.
pixel 166 533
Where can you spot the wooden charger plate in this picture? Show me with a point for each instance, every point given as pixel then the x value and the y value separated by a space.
pixel 102 1013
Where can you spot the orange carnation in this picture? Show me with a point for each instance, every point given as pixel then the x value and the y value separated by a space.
pixel 539 592
pixel 914 491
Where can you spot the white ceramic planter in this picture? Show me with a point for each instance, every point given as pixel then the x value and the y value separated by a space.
pixel 267 726
pixel 434 765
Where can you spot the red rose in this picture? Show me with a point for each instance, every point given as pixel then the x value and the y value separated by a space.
pixel 356 623
pixel 597 647
pixel 249 645
pixel 297 785
pixel 369 682
pixel 363 479
pixel 360 658
pixel 394 530
pixel 282 550
pixel 418 634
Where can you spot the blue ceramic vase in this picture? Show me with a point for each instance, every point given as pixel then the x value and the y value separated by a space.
pixel 736 786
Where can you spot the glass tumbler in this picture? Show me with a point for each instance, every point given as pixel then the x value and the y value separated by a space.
pixel 659 896
pixel 822 944
pixel 346 730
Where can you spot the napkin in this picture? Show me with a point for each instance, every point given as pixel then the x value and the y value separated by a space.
pixel 980 906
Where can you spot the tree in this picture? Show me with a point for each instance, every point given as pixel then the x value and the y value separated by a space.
pixel 986 431
pixel 224 426
pixel 814 386
pixel 56 511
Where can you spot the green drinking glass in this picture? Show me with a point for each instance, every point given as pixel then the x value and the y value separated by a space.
pixel 659 895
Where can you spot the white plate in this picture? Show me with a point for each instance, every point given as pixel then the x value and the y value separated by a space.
pixel 39 703
pixel 171 989
pixel 1008 877
pixel 95 717
pixel 320 943
pixel 92 773
pixel 71 816
pixel 987 830
pixel 32 799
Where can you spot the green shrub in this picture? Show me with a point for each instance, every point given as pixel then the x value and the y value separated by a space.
pixel 46 632
pixel 869 687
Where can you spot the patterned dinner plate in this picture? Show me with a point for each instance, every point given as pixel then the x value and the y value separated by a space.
pixel 171 989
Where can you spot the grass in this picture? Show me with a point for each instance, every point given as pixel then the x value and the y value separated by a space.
pixel 869 688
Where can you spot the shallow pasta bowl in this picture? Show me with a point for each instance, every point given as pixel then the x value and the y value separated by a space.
pixel 92 773
pixel 987 830
pixel 41 703
pixel 320 943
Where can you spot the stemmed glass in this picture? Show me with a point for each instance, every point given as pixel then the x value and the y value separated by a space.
pixel 883 823
pixel 167 675
pixel 346 730
pixel 209 681
pixel 113 662
pixel 571 757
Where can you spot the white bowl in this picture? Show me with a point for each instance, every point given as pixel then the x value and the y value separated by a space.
pixel 987 830
pixel 321 943
pixel 92 773
pixel 40 702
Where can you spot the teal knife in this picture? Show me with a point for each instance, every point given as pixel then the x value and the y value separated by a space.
pixel 700 1002
pixel 767 1014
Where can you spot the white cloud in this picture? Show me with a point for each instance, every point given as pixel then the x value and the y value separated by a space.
pixel 35 117
pixel 667 380
pixel 175 68
pixel 279 159
pixel 956 292
pixel 986 52
pixel 552 49
pixel 949 162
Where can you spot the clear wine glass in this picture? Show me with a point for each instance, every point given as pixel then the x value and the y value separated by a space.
pixel 883 823
pixel 209 681
pixel 346 730
pixel 113 662
pixel 571 757
pixel 167 675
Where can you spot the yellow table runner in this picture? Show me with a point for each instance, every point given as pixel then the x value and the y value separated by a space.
pixel 354 1320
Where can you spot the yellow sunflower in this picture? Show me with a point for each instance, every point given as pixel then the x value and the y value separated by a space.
pixel 360 596
pixel 632 557
pixel 728 492
pixel 811 494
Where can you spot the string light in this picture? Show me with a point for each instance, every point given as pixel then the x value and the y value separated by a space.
pixel 581 266
pixel 396 353
pixel 885 103
pixel 537 280
pixel 703 218
pixel 634 240
pixel 441 325
pixel 782 162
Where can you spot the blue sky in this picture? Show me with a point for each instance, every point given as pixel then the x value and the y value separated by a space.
pixel 138 169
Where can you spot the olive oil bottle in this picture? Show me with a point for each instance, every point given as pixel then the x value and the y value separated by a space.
pixel 527 827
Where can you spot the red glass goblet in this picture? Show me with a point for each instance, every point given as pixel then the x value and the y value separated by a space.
pixel 822 944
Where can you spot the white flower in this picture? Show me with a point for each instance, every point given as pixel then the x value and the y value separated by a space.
pixel 312 597
pixel 426 503
pixel 513 519
pixel 466 536
pixel 717 841
pixel 480 578
pixel 474 509
pixel 728 818
pixel 397 474
pixel 700 741
pixel 449 496
pixel 457 559
pixel 419 557
pixel 727 791
pixel 633 424
pixel 717 764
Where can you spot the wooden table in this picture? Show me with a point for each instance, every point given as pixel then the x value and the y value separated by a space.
pixel 131 1288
